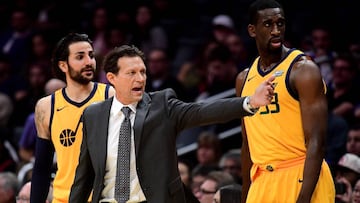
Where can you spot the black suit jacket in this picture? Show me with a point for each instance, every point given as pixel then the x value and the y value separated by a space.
pixel 160 116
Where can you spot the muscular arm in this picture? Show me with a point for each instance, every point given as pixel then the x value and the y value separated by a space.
pixel 306 80
pixel 44 152
pixel 246 162
pixel 42 117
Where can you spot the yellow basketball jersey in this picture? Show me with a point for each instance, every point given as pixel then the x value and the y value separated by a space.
pixel 66 135
pixel 275 133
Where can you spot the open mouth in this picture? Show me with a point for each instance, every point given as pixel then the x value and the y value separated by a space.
pixel 276 42
pixel 137 89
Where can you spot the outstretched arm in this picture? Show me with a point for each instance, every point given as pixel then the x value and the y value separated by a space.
pixel 306 80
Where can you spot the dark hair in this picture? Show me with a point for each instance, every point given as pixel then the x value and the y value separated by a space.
pixel 203 170
pixel 234 154
pixel 210 140
pixel 221 53
pixel 221 178
pixel 61 51
pixel 230 193
pixel 261 5
pixel 349 58
pixel 111 59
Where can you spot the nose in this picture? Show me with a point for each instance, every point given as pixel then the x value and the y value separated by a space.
pixel 141 77
pixel 89 60
pixel 275 30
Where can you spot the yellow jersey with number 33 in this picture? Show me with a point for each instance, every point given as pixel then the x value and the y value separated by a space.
pixel 275 133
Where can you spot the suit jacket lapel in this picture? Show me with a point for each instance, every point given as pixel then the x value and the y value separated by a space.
pixel 141 112
pixel 102 133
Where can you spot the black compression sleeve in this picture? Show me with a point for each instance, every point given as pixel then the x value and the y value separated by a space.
pixel 41 176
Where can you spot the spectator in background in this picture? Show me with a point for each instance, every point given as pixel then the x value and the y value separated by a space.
pixel 198 176
pixel 222 27
pixel 159 74
pixel 37 74
pixel 16 40
pixel 336 139
pixel 10 84
pixel 24 194
pixel 353 140
pixel 115 36
pixel 349 168
pixel 40 50
pixel 221 72
pixel 322 51
pixel 347 174
pixel 9 187
pixel 228 194
pixel 355 197
pixel 185 173
pixel 220 76
pixel 8 155
pixel 97 31
pixel 213 181
pixel 208 150
pixel 343 90
pixel 6 109
pixel 238 50
pixel 147 33
pixel 230 163
pixel 184 170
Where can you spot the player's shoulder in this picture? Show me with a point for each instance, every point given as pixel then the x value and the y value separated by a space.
pixel 242 75
pixel 106 87
pixel 44 102
pixel 306 63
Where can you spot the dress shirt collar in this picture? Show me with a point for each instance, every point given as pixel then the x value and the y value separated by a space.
pixel 117 106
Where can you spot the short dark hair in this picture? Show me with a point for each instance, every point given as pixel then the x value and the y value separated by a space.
pixel 261 5
pixel 61 51
pixel 110 61
pixel 230 193
pixel 221 178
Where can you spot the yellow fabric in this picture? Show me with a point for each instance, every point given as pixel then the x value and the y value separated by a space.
pixel 283 186
pixel 66 134
pixel 275 135
pixel 277 128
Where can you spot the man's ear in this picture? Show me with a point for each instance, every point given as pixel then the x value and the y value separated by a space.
pixel 63 66
pixel 110 77
pixel 251 30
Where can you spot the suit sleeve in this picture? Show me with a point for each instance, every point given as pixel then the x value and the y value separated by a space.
pixel 84 175
pixel 205 113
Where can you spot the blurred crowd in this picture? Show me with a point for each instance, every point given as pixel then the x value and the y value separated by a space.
pixel 195 47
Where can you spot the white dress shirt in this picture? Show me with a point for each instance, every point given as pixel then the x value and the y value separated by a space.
pixel 115 120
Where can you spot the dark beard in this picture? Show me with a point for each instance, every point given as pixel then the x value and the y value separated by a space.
pixel 78 77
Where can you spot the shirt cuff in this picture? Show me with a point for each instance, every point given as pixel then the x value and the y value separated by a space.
pixel 247 107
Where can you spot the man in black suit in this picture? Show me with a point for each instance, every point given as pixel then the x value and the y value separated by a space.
pixel 156 119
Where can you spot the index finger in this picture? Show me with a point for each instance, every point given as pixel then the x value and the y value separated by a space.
pixel 271 78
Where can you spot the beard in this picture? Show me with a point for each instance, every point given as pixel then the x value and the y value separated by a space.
pixel 77 76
